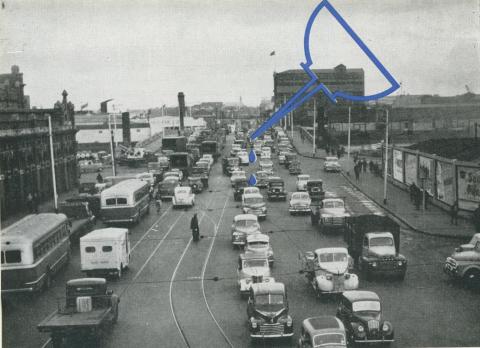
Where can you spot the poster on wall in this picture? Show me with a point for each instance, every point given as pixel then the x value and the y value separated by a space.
pixel 425 170
pixel 445 188
pixel 398 165
pixel 410 169
pixel 468 187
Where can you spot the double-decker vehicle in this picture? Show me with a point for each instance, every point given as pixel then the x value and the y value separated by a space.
pixel 33 250
pixel 125 202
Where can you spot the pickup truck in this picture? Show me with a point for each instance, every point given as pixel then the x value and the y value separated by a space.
pixel 80 217
pixel 88 310
pixel 374 243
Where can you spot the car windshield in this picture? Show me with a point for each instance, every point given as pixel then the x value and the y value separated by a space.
pixel 303 177
pixel 183 191
pixel 255 263
pixel 276 183
pixel 253 200
pixel 257 245
pixel 300 196
pixel 381 241
pixel 333 204
pixel 333 257
pixel 245 223
pixel 172 174
pixel 366 306
pixel 328 339
pixel 269 302
pixel 262 175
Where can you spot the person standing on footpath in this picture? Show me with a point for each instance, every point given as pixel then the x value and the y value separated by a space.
pixel 476 218
pixel 357 169
pixel 195 229
pixel 417 198
pixel 454 213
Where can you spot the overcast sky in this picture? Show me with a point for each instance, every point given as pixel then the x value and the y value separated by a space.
pixel 142 53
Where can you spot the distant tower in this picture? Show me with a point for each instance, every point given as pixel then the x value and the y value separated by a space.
pixel 181 107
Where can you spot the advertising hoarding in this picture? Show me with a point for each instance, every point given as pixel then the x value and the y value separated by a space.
pixel 410 169
pixel 425 170
pixel 398 165
pixel 468 180
pixel 445 182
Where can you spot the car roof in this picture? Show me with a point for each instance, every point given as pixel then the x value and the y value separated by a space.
pixel 331 158
pixel 245 217
pixel 360 295
pixel 331 250
pixel 252 195
pixel 379 234
pixel 333 199
pixel 258 237
pixel 250 254
pixel 32 226
pixel 268 288
pixel 87 281
pixel 314 180
pixel 300 193
pixel 303 176
pixel 109 233
pixel 323 324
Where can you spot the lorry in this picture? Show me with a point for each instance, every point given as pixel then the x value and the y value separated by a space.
pixel 87 310
pixel 374 243
pixel 182 161
pixel 174 144
pixel 80 218
pixel 105 251
pixel 210 147
pixel 464 263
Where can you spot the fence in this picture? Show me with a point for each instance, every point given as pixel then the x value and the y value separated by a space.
pixel 446 180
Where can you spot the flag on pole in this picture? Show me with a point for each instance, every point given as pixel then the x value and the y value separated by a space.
pixel 272 53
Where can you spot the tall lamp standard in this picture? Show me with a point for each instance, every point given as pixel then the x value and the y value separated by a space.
pixel 386 160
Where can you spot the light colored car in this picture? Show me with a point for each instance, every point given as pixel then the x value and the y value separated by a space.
pixel 333 213
pixel 260 242
pixel 237 175
pixel 253 268
pixel 243 156
pixel 204 160
pixel 177 173
pixel 299 203
pixel 266 153
pixel 324 331
pixel 464 263
pixel 262 179
pixel 327 270
pixel 251 189
pixel 242 226
pixel 302 182
pixel 331 164
pixel 254 203
pixel 209 158
pixel 183 196
pixel 281 157
pixel 235 149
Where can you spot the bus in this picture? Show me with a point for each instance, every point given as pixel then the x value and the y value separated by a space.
pixel 126 201
pixel 33 250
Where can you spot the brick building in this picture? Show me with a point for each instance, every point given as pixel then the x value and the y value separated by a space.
pixel 25 163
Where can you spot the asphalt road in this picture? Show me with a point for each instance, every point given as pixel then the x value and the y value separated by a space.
pixel 177 293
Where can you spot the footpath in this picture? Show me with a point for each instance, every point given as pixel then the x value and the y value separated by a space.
pixel 432 221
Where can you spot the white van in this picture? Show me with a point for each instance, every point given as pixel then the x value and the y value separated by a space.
pixel 105 251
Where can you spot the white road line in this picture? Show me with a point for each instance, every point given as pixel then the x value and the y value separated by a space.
pixel 151 228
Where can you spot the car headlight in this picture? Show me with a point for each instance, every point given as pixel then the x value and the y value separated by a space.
pixel 385 327
pixel 374 264
pixel 347 276
pixel 360 328
pixel 253 323
pixel 289 321
pixel 329 277
pixel 400 263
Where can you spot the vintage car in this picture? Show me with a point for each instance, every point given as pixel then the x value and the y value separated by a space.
pixel 299 203
pixel 331 164
pixel 253 203
pixel 203 164
pixel 295 168
pixel 209 158
pixel 235 149
pixel 324 331
pixel 327 270
pixel 260 242
pixel 315 189
pixel 253 268
pixel 464 263
pixel 267 311
pixel 262 179
pixel 289 158
pixel 195 182
pixel 238 188
pixel 237 176
pixel 332 214
pixel 200 172
pixel 281 156
pixel 166 188
pixel 183 196
pixel 302 182
pixel 230 164
pixel 266 153
pixel 276 189
pixel 266 165
pixel 250 189
pixel 361 314
pixel 164 162
pixel 244 225
pixel 243 156
pixel 174 173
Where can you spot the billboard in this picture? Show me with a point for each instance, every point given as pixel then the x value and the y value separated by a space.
pixel 425 170
pixel 410 169
pixel 398 165
pixel 468 180
pixel 445 187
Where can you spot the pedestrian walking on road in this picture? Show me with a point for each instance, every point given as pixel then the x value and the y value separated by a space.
pixel 158 202
pixel 476 218
pixel 454 213
pixel 357 170
pixel 30 203
pixel 195 229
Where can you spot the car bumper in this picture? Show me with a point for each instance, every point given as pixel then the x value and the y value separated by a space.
pixel 299 210
pixel 367 341
pixel 286 334
pixel 260 214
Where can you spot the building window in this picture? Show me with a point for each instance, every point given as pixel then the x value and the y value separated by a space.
pixel 100 131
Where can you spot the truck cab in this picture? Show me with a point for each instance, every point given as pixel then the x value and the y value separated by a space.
pixel 464 263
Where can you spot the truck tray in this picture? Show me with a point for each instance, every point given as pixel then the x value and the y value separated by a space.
pixel 74 320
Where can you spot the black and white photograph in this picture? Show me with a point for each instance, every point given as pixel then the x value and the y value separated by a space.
pixel 226 173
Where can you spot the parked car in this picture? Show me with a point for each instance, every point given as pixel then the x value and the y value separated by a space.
pixel 331 164
pixel 361 314
pixel 183 196
pixel 299 203
pixel 253 268
pixel 237 175
pixel 302 182
pixel 253 203
pixel 242 226
pixel 464 263
pixel 328 270
pixel 267 311
pixel 260 242
pixel 87 166
pixel 324 331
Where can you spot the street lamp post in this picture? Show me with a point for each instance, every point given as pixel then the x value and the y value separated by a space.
pixel 52 158
pixel 112 151
pixel 348 141
pixel 314 150
pixel 386 160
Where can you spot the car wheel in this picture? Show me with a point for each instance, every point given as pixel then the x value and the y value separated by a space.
pixel 472 278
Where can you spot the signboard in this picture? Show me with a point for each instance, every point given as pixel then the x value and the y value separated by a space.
pixel 425 171
pixel 410 169
pixel 445 187
pixel 468 180
pixel 398 165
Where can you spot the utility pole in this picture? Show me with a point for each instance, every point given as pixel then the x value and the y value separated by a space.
pixel 314 149
pixel 386 160
pixel 52 158
pixel 291 125
pixel 348 140
pixel 112 151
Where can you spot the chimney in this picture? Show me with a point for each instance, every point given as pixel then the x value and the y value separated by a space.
pixel 181 107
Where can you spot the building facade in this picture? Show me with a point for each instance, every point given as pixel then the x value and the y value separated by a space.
pixel 25 162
